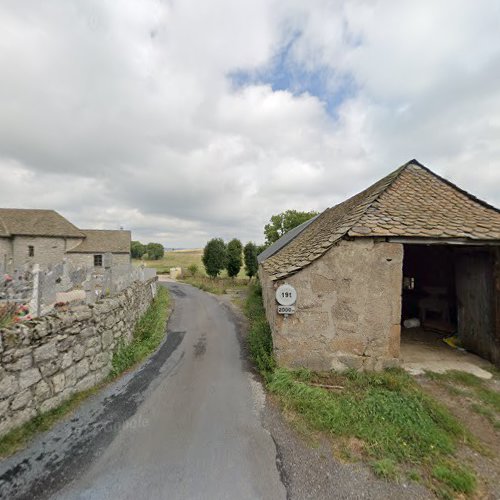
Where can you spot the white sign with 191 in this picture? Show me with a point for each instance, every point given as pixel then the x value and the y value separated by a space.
pixel 286 296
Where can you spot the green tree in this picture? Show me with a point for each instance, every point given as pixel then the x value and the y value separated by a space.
pixel 155 251
pixel 234 257
pixel 137 249
pixel 214 256
pixel 251 264
pixel 282 223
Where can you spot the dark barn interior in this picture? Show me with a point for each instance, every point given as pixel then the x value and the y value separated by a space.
pixel 453 291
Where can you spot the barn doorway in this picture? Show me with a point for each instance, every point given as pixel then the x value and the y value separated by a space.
pixel 447 302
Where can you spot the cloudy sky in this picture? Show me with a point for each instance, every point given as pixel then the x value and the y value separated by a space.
pixel 185 119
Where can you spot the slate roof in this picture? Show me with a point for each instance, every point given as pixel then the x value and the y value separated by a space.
pixel 30 222
pixel 103 241
pixel 411 202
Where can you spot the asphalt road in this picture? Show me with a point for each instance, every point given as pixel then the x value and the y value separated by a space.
pixel 186 425
pixel 198 435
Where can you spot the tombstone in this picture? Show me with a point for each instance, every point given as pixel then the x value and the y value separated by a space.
pixel 47 288
pixel 34 304
pixel 89 287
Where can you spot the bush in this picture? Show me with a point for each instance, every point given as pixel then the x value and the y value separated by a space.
pixel 137 249
pixel 193 270
pixel 7 314
pixel 234 261
pixel 214 257
pixel 155 251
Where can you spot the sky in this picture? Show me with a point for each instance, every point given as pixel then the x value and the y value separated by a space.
pixel 184 120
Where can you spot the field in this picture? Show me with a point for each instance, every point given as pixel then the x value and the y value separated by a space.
pixel 177 258
pixel 183 259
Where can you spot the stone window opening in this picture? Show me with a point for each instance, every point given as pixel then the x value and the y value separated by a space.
pixel 31 251
pixel 98 260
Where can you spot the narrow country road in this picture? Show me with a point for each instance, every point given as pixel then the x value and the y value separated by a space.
pixel 185 426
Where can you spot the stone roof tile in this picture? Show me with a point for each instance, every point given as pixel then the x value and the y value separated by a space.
pixel 34 222
pixel 410 202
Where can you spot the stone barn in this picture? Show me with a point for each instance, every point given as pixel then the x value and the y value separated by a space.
pixel 413 246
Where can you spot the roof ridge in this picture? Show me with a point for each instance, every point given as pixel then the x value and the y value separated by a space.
pixel 394 175
pixel 457 188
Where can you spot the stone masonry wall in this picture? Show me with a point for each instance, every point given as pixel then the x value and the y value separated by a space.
pixel 47 250
pixel 348 309
pixel 87 259
pixel 44 361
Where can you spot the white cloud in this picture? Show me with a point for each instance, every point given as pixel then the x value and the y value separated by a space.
pixel 125 113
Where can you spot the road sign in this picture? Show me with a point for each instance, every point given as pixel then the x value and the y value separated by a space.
pixel 286 295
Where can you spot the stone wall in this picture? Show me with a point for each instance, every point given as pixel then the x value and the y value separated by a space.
pixel 87 259
pixel 45 361
pixel 348 309
pixel 47 250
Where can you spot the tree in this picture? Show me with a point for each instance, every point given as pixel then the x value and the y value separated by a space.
pixel 234 260
pixel 282 223
pixel 137 249
pixel 155 251
pixel 251 263
pixel 214 256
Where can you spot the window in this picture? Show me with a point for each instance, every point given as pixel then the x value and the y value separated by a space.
pixel 31 251
pixel 98 260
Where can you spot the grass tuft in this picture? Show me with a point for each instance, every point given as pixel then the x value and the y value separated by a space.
pixel 385 468
pixel 456 477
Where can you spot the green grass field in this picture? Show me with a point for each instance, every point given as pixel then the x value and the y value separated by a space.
pixel 183 259
pixel 177 258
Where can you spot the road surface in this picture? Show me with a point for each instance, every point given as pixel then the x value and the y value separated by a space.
pixel 185 426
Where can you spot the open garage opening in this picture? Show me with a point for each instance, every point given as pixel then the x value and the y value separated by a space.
pixel 449 306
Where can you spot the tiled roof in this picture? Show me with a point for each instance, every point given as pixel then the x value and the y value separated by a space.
pixel 27 222
pixel 102 241
pixel 411 202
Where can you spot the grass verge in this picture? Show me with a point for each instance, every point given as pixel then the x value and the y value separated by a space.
pixel 148 334
pixel 218 285
pixel 400 426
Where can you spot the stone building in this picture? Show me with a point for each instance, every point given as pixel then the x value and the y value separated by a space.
pixel 45 237
pixel 411 246
pixel 99 242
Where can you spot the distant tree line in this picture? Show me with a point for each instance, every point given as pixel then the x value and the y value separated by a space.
pixel 151 251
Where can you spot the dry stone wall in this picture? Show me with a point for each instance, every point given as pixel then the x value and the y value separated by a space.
pixel 45 361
